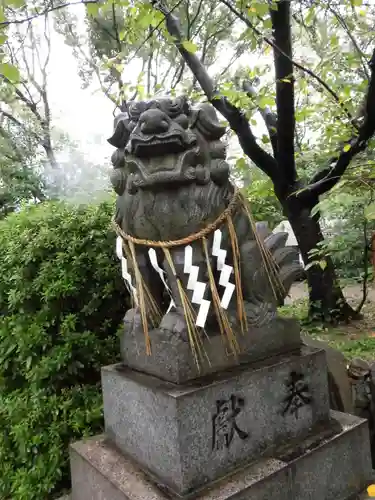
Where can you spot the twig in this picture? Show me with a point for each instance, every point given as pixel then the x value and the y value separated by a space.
pixel 298 65
pixel 345 26
pixel 269 118
pixel 46 11
pixel 366 274
pixel 235 117
pixel 325 180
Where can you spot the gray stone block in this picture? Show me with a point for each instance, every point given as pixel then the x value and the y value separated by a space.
pixel 337 368
pixel 172 359
pixel 188 436
pixel 337 468
pixel 100 472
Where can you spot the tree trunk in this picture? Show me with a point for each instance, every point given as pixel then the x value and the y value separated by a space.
pixel 326 301
pixel 50 154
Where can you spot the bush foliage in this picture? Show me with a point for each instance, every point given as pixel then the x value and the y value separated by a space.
pixel 61 303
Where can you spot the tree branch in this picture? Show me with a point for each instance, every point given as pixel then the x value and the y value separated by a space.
pixel 5 24
pixel 296 64
pixel 197 13
pixel 11 118
pixel 269 118
pixel 284 89
pixel 235 117
pixel 324 180
pixel 346 28
pixel 19 124
pixel 69 23
pixel 30 104
pixel 119 47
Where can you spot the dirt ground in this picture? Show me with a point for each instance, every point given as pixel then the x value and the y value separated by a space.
pixel 353 293
pixel 354 331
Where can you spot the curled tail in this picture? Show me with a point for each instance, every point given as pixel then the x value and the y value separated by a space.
pixel 285 257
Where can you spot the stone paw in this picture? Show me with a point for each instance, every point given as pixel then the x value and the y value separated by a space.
pixel 259 314
pixel 133 321
pixel 174 323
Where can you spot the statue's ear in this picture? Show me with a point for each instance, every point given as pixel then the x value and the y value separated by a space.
pixel 121 133
pixel 193 117
pixel 206 121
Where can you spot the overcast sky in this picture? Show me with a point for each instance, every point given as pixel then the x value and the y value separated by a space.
pixel 85 114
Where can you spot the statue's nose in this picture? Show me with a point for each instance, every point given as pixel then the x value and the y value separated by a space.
pixel 154 121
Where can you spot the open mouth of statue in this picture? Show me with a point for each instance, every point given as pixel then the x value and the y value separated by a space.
pixel 158 146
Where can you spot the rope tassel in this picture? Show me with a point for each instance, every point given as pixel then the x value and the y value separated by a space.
pixel 222 318
pixel 195 323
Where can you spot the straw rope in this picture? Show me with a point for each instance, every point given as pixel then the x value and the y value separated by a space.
pixel 188 239
pixel 148 305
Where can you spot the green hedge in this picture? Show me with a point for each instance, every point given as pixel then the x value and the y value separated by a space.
pixel 62 300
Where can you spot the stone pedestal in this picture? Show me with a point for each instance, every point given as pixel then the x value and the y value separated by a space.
pixel 175 432
pixel 318 468
pixel 171 355
pixel 260 429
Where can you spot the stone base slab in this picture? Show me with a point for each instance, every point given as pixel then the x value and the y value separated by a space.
pixel 172 359
pixel 337 468
pixel 190 435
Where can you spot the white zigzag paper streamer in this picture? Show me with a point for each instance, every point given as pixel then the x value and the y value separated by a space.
pixel 161 273
pixel 198 287
pixel 124 268
pixel 226 270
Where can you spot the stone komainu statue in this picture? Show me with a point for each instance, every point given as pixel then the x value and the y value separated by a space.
pixel 190 251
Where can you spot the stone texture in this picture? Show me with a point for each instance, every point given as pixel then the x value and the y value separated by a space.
pixel 172 180
pixel 339 467
pixel 340 388
pixel 99 472
pixel 172 359
pixel 168 429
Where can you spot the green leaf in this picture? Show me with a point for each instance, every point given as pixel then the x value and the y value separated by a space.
pixel 189 46
pixel 146 20
pixel 28 362
pixel 15 3
pixel 10 72
pixel 119 67
pixel 93 9
pixel 370 211
pixel 346 148
pixel 157 19
pixel 310 265
pixel 265 101
pixel 323 264
pixel 267 23
pixel 242 164
pixel 310 16
pixel 261 9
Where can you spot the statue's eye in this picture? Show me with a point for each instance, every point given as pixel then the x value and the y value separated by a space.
pixel 153 105
pixel 136 109
pixel 182 120
pixel 173 111
pixel 134 115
